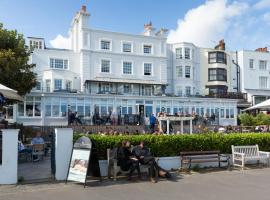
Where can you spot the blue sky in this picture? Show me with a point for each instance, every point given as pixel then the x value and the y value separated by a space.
pixel 243 24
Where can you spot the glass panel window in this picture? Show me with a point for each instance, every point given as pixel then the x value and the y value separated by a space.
pixel 251 63
pixel 188 90
pixel 227 113
pixel 29 109
pixel 68 85
pixel 48 85
pixel 57 84
pixel 148 90
pixel 127 47
pixel 38 85
pixel 187 53
pixel 127 67
pixel 147 49
pixel 263 64
pixel 37 109
pixel 21 109
pixel 105 66
pixel 63 110
pixel 58 63
pixel 87 111
pixel 187 71
pixel 217 74
pixel 179 71
pixel 217 57
pixel 263 82
pixel 148 111
pixel 147 69
pixel 222 113
pixel 179 91
pixel 178 53
pixel 127 89
pixel 232 113
pixel 105 45
pixel 48 110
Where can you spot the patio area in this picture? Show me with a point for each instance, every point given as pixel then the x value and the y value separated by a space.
pixel 35 171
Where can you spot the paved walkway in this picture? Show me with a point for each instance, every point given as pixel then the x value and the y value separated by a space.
pixel 247 185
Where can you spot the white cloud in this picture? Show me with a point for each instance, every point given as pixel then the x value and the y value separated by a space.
pixel 61 42
pixel 262 4
pixel 266 18
pixel 207 23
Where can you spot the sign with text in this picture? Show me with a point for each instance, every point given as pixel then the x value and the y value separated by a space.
pixel 79 165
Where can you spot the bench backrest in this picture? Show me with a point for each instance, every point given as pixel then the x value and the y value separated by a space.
pixel 252 150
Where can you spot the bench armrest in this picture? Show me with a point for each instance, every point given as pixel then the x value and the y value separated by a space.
pixel 264 153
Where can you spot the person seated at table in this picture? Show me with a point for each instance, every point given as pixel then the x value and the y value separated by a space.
pixel 126 160
pixel 144 156
pixel 39 140
pixel 23 149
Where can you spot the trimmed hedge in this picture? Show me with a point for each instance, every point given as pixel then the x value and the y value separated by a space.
pixel 171 145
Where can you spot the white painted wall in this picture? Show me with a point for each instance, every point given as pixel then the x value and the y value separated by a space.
pixel 9 167
pixel 63 149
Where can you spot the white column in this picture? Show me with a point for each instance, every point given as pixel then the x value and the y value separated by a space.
pixel 9 166
pixel 63 149
pixel 182 126
pixel 190 126
pixel 168 126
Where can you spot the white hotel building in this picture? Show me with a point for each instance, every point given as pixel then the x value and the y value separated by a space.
pixel 117 72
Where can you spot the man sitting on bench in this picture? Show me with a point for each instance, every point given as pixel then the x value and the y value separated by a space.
pixel 144 156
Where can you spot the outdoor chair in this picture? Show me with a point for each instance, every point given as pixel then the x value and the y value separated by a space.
pixel 38 150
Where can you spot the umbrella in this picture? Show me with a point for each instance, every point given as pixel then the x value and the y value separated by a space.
pixel 262 105
pixel 9 93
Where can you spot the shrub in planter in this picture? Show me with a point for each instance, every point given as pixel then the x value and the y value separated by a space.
pixel 172 145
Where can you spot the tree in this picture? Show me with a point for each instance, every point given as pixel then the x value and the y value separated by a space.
pixel 15 72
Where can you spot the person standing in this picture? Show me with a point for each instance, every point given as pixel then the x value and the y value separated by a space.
pixel 152 123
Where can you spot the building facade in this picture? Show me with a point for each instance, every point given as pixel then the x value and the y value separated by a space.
pixel 117 73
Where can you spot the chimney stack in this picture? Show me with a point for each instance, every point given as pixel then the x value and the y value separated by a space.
pixel 149 29
pixel 83 8
pixel 221 45
pixel 262 50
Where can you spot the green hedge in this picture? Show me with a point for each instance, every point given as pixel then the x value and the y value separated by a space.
pixel 172 145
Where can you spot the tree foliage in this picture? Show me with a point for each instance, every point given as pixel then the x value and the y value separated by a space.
pixel 15 72
pixel 250 120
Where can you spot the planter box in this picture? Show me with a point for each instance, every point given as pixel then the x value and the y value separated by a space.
pixel 169 163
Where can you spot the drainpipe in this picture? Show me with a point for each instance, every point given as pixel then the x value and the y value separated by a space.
pixel 237 72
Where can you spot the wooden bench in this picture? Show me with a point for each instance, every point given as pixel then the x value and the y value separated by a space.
pixel 243 154
pixel 203 157
pixel 114 169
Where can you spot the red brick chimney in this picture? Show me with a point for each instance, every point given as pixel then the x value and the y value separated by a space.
pixel 83 8
pixel 221 45
pixel 262 50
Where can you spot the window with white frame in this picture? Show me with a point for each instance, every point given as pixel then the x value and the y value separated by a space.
pixel 187 53
pixel 127 47
pixel 187 71
pixel 179 91
pixel 127 67
pixel 263 64
pixel 147 90
pixel 127 89
pixel 31 107
pixel 58 63
pixel 105 66
pixel 57 84
pixel 38 85
pixel 188 90
pixel 147 49
pixel 105 44
pixel 179 71
pixel 251 63
pixel 263 82
pixel 178 53
pixel 147 69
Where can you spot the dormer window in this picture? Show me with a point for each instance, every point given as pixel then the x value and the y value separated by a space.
pixel 105 45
